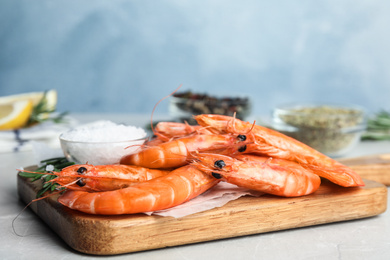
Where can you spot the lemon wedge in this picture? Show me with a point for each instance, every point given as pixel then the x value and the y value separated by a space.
pixel 16 110
pixel 15 115
pixel 34 97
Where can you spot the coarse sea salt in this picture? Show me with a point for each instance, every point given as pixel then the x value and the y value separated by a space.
pixel 104 131
pixel 101 142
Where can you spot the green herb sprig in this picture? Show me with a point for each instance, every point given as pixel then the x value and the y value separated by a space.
pixel 41 173
pixel 41 112
pixel 378 127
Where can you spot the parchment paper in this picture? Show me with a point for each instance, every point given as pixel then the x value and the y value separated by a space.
pixel 217 196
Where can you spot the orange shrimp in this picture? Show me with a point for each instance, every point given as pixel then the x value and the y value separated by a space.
pixel 273 176
pixel 265 141
pixel 170 130
pixel 173 189
pixel 103 177
pixel 175 153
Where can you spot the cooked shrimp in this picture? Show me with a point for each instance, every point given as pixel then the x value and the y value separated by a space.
pixel 104 177
pixel 273 176
pixel 164 192
pixel 175 153
pixel 167 131
pixel 265 141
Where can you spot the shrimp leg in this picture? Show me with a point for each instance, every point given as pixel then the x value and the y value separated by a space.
pixel 171 130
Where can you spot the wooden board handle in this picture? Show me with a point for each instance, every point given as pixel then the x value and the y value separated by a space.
pixel 373 167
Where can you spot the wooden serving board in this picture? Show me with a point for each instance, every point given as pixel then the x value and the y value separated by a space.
pixel 374 167
pixel 110 235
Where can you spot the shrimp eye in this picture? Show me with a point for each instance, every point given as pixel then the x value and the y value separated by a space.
pixel 82 170
pixel 216 175
pixel 241 137
pixel 242 149
pixel 219 164
pixel 81 182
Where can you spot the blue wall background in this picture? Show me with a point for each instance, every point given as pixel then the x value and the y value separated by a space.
pixel 123 56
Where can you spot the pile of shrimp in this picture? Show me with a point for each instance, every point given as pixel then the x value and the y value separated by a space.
pixel 183 161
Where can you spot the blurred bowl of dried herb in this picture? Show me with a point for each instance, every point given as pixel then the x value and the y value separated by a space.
pixel 184 105
pixel 331 129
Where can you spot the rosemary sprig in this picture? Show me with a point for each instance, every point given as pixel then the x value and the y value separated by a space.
pixel 378 127
pixel 58 164
pixel 41 112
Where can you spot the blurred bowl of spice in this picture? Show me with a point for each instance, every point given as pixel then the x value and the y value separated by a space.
pixel 184 105
pixel 331 129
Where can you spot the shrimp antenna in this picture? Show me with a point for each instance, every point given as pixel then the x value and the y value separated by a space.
pixel 232 121
pixel 155 106
pixel 234 125
pixel 135 145
pixel 253 126
pixel 34 200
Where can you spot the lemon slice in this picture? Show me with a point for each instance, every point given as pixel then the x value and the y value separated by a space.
pixel 15 115
pixel 14 108
pixel 43 102
pixel 34 97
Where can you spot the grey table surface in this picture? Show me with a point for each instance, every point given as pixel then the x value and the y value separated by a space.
pixel 367 238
